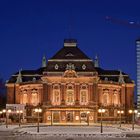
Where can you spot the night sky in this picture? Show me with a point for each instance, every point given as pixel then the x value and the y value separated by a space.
pixel 31 29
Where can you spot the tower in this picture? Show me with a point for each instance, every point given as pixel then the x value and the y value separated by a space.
pixel 138 73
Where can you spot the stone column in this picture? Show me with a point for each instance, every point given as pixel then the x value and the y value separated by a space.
pixel 17 94
pixel 49 93
pixel 62 90
pixel 77 93
pixel 45 93
pixel 29 95
pixel 90 93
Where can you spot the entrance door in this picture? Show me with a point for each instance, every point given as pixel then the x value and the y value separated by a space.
pixel 70 117
pixel 84 118
pixel 56 117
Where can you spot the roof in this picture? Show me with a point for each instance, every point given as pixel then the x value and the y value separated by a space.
pixel 70 56
pixel 70 51
pixel 112 75
pixel 27 75
pixel 83 66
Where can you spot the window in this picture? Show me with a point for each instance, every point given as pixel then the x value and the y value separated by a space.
pixel 69 116
pixel 106 97
pixel 84 94
pixel 70 97
pixel 25 98
pixel 56 94
pixel 56 97
pixel 56 117
pixel 83 97
pixel 34 99
pixel 116 97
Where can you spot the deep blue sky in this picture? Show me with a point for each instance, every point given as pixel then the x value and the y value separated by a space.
pixel 30 29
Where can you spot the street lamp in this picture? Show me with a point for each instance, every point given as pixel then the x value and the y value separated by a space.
pixel 38 110
pixel 133 112
pixel 120 112
pixel 101 111
pixel 19 112
pixel 7 115
pixel 88 117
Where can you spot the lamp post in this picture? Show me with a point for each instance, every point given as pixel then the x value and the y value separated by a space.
pixel 88 117
pixel 101 111
pixel 19 112
pixel 7 115
pixel 38 110
pixel 133 112
pixel 120 112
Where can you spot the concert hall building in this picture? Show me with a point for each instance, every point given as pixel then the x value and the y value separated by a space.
pixel 70 88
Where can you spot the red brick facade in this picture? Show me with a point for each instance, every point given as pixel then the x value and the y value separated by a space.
pixel 71 90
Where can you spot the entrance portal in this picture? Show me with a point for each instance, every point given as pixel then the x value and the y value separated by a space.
pixel 69 117
pixel 56 117
pixel 84 118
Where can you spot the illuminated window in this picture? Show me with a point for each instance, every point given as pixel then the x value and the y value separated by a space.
pixel 34 99
pixel 25 101
pixel 56 97
pixel 83 97
pixel 105 97
pixel 83 94
pixel 56 94
pixel 23 98
pixel 116 98
pixel 70 97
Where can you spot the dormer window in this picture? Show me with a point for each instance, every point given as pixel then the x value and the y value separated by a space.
pixel 56 66
pixel 83 66
pixel 106 78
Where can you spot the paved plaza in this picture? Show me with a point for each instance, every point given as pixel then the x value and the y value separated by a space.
pixel 29 132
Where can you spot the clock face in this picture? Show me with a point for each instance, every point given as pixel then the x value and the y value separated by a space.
pixel 83 66
pixel 56 66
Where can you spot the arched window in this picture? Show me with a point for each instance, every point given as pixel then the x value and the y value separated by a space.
pixel 83 95
pixel 34 95
pixel 116 97
pixel 105 97
pixel 56 95
pixel 70 95
pixel 24 99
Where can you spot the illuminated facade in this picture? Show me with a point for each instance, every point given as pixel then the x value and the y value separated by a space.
pixel 70 88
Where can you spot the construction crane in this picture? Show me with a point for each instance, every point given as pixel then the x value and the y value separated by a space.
pixel 132 24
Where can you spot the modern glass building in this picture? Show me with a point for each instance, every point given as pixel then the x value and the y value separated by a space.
pixel 138 73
